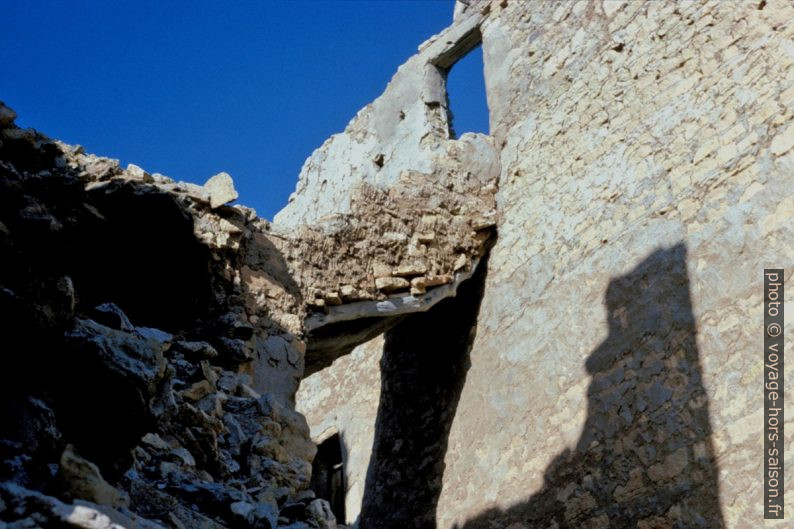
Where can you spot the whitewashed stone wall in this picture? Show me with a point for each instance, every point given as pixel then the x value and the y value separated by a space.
pixel 344 399
pixel 647 162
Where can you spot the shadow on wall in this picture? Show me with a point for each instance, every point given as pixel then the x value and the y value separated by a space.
pixel 645 457
pixel 423 368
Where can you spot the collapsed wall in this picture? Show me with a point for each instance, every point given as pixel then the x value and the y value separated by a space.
pixel 148 380
pixel 393 213
pixel 157 336
pixel 646 154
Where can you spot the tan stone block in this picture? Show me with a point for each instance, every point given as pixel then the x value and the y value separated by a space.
pixel 418 285
pixel 783 141
pixel 333 298
pixel 409 270
pixel 437 280
pixel 391 284
pixel 381 270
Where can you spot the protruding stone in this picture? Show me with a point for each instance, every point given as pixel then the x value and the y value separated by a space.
pixel 155 441
pixel 460 262
pixel 137 173
pixel 318 303
pixel 484 222
pixel 195 350
pixel 333 298
pixel 409 270
pixel 150 333
pixel 391 284
pixel 211 374
pixel 441 279
pixel 481 236
pixel 221 190
pixel 348 292
pixel 241 509
pixel 85 482
pixel 110 315
pixel 418 286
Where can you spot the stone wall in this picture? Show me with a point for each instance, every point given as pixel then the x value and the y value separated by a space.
pixel 344 399
pixel 646 154
pixel 569 306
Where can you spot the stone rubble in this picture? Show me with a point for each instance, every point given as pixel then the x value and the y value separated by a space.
pixel 170 421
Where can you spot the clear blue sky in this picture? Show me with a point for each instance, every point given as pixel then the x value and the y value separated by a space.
pixel 188 89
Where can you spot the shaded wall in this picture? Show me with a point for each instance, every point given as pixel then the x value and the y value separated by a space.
pixel 423 369
pixel 344 398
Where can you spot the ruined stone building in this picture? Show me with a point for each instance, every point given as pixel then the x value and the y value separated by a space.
pixel 554 325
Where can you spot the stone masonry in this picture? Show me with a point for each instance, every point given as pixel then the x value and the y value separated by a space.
pixel 553 325
pixel 646 154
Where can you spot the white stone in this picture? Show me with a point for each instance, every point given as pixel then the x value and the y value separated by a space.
pixel 221 190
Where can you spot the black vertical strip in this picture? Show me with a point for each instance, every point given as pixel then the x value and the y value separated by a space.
pixel 773 395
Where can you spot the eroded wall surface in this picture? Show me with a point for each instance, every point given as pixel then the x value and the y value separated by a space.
pixel 344 399
pixel 647 155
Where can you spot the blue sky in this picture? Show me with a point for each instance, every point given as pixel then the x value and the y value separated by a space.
pixel 188 89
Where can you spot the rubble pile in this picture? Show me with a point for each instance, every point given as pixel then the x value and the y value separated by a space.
pixel 137 311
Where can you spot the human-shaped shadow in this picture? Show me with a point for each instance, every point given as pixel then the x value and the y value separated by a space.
pixel 645 457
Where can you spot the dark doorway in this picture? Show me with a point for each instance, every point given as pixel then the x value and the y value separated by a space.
pixel 328 475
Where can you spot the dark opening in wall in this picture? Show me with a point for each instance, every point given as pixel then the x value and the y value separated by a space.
pixel 466 99
pixel 141 253
pixel 328 475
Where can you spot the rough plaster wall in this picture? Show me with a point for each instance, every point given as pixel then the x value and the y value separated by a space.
pixel 399 131
pixel 344 398
pixel 646 169
pixel 625 128
pixel 393 203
